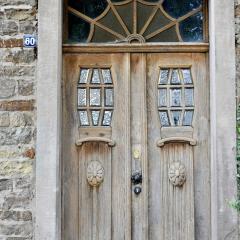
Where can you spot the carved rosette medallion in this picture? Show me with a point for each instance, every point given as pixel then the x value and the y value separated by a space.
pixel 95 173
pixel 177 174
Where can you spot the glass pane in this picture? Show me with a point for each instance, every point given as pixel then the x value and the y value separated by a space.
pixel 126 13
pixel 78 29
pixel 107 77
pixel 176 95
pixel 83 118
pixel 191 29
pixel 169 35
pixel 92 8
pixel 162 97
pixel 82 97
pixel 110 21
pixel 187 77
pixel 107 118
pixel 176 117
pixel 108 97
pixel 178 8
pixel 95 97
pixel 95 117
pixel 188 117
pixel 175 77
pixel 164 118
pixel 95 76
pixel 164 74
pixel 84 75
pixel 101 35
pixel 189 97
pixel 143 14
pixel 158 21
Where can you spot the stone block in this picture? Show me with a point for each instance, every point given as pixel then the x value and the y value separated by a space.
pixel 7 88
pixel 21 105
pixel 18 2
pixel 16 215
pixel 15 168
pixel 17 119
pixel 21 14
pixel 14 136
pixel 6 184
pixel 17 71
pixel 4 119
pixel 16 200
pixel 8 27
pixel 25 88
pixel 18 55
pixel 21 229
pixel 11 43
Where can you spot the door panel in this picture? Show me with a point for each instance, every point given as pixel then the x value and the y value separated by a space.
pixel 178 212
pixel 95 153
pixel 159 129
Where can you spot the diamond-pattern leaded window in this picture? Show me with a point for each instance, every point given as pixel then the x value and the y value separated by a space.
pixel 135 20
pixel 175 97
pixel 95 97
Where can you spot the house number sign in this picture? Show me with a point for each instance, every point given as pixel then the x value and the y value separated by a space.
pixel 29 41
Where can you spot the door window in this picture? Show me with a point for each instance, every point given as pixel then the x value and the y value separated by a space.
pixel 176 97
pixel 95 97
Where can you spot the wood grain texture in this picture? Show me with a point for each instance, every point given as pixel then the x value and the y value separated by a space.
pixel 164 220
pixel 136 48
pixel 139 143
pixel 104 212
pixel 112 211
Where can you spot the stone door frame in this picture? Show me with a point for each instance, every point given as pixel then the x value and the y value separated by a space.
pixel 223 120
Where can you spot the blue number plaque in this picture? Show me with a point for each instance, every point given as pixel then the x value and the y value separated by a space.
pixel 29 41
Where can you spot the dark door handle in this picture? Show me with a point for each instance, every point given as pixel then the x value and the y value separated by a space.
pixel 137 178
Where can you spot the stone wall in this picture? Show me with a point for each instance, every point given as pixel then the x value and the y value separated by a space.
pixel 17 119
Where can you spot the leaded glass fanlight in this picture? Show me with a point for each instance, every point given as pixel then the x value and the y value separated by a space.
pixel 101 21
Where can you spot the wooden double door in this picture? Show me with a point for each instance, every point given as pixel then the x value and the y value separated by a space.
pixel 135 155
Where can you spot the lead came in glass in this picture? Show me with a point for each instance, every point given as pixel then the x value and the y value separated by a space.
pixel 175 77
pixel 95 117
pixel 84 75
pixel 107 118
pixel 83 118
pixel 188 117
pixel 162 98
pixel 176 117
pixel 164 118
pixel 189 98
pixel 176 95
pixel 82 97
pixel 109 97
pixel 107 77
pixel 95 96
pixel 187 77
pixel 156 21
pixel 95 77
pixel 176 102
pixel 164 74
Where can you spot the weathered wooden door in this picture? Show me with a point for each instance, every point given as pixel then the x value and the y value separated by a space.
pixel 135 147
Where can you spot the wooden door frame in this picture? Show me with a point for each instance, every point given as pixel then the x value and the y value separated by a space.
pixel 223 120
